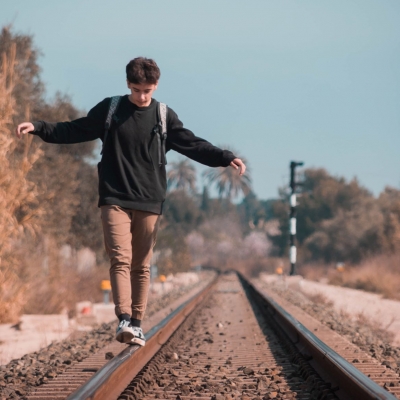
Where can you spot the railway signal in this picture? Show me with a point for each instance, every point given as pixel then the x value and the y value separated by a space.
pixel 292 217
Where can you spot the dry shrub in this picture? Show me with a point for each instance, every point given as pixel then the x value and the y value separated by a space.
pixel 33 277
pixel 17 193
pixel 12 297
pixel 379 274
pixel 55 283
pixel 172 262
pixel 253 267
pixel 59 292
pixel 319 298
pixel 316 271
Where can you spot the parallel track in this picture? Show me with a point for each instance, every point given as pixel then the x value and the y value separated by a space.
pixel 237 342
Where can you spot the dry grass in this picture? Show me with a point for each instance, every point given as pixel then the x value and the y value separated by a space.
pixel 379 274
pixel 361 320
pixel 16 193
pixel 252 267
pixel 33 276
pixel 12 297
pixel 59 292
pixel 319 298
pixel 55 284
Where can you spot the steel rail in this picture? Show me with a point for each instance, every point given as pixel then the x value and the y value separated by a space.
pixel 111 380
pixel 346 380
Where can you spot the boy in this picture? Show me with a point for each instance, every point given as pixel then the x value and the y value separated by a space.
pixel 132 181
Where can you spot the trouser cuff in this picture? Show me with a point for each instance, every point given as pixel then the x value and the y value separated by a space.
pixel 137 315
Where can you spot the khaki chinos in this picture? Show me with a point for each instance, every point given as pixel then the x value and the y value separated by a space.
pixel 129 237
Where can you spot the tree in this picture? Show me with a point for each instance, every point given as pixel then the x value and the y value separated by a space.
pixel 55 188
pixel 251 211
pixel 64 191
pixel 181 210
pixel 17 192
pixel 205 200
pixel 44 195
pixel 389 203
pixel 350 235
pixel 182 175
pixel 336 220
pixel 28 89
pixel 228 182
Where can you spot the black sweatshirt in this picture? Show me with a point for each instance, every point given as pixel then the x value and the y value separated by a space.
pixel 129 174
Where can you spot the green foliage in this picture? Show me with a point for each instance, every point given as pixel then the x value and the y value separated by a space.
pixel 85 228
pixel 254 212
pixel 182 176
pixel 339 220
pixel 175 257
pixel 181 209
pixel 389 203
pixel 322 197
pixel 227 180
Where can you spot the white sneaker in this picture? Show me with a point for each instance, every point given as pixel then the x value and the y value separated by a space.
pixel 138 337
pixel 125 332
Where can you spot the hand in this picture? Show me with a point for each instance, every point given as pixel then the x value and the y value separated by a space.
pixel 24 128
pixel 237 163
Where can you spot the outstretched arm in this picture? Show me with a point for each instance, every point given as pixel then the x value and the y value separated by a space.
pixel 185 142
pixel 80 130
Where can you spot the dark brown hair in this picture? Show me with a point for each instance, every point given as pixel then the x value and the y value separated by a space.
pixel 142 70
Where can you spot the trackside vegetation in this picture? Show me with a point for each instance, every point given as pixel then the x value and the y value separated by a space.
pixel 51 241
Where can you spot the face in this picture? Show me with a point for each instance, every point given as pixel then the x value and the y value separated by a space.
pixel 141 93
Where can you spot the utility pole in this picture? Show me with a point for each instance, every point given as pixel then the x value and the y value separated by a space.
pixel 292 217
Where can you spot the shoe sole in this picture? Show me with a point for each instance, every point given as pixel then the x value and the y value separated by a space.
pixel 125 336
pixel 138 341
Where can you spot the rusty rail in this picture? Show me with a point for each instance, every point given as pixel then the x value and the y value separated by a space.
pixel 346 380
pixel 113 377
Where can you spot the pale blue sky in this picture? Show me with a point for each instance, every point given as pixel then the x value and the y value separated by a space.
pixel 316 81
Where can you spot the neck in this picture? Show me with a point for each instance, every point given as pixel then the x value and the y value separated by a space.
pixel 139 105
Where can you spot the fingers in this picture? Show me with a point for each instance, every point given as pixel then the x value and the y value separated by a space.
pixel 237 163
pixel 243 168
pixel 23 129
pixel 20 130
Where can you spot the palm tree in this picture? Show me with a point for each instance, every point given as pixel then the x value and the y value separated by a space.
pixel 228 182
pixel 182 175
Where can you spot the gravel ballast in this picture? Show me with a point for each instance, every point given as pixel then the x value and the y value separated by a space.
pixel 21 375
pixel 365 334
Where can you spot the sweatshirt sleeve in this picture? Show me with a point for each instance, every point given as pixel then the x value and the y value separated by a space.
pixel 79 130
pixel 185 142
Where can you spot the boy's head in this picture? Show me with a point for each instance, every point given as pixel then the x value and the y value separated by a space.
pixel 142 76
pixel 142 70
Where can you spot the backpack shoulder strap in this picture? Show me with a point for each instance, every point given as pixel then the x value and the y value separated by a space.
pixel 163 117
pixel 161 132
pixel 114 102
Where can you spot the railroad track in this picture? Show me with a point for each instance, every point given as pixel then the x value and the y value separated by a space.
pixel 232 341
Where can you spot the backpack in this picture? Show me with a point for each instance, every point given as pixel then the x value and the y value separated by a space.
pixel 160 129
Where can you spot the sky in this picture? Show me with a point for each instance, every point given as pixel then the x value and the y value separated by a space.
pixel 276 80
